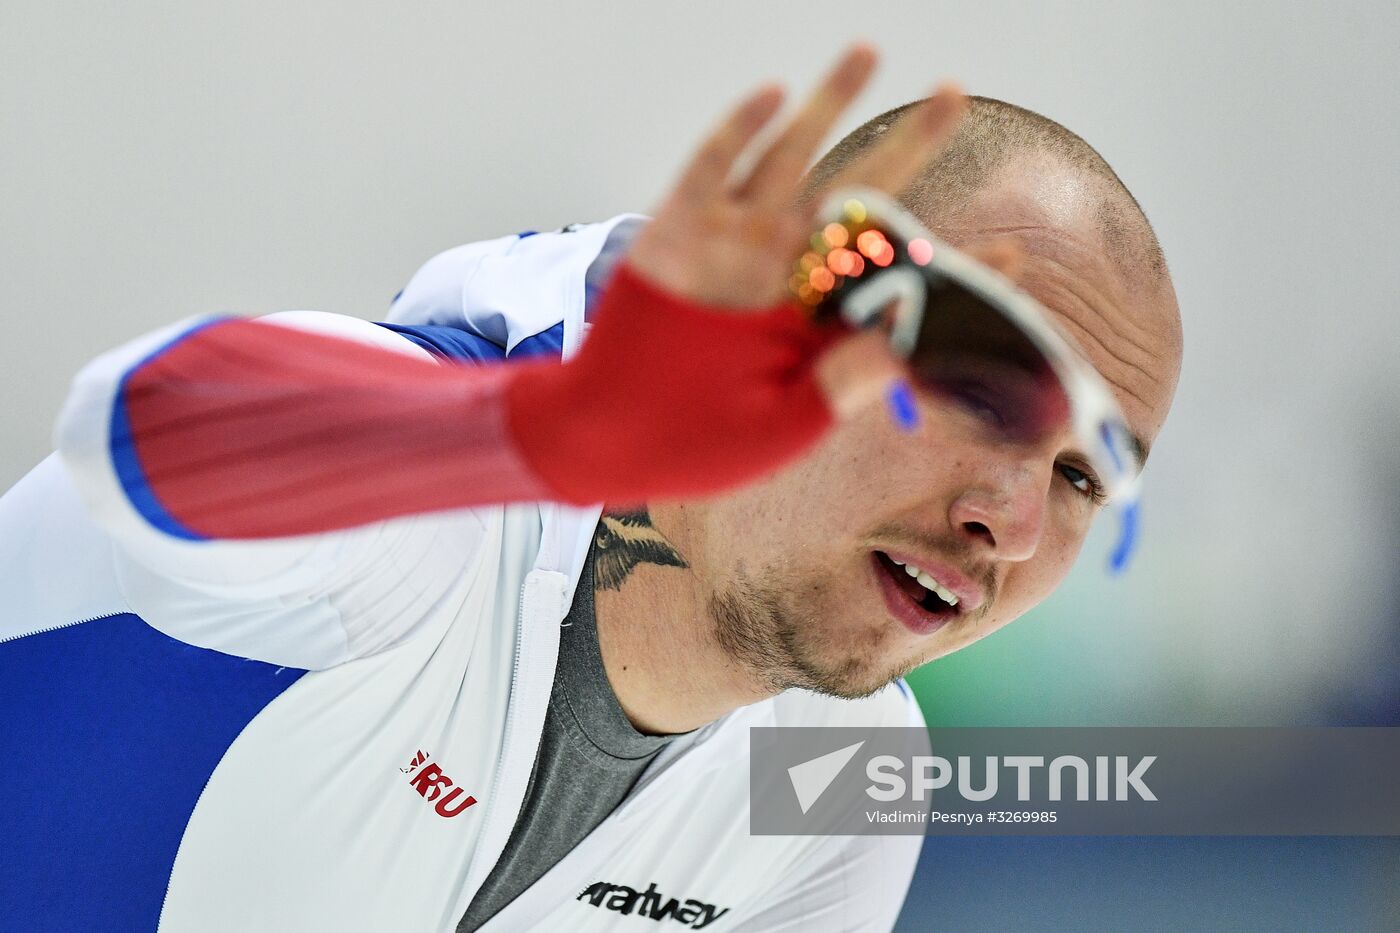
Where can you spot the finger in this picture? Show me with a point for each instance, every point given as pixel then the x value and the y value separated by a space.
pixel 911 143
pixel 857 372
pixel 776 173
pixel 708 171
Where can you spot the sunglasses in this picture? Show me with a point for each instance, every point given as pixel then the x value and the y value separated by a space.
pixel 971 337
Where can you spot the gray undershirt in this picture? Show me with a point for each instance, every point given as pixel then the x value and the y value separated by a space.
pixel 590 755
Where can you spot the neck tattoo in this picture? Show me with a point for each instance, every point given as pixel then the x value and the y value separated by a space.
pixel 624 541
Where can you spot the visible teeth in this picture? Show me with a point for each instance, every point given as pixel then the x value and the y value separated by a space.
pixel 928 582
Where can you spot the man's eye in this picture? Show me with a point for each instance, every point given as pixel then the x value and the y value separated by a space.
pixel 979 403
pixel 1086 483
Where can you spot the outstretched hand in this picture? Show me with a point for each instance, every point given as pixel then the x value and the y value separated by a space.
pixel 729 241
pixel 726 239
pixel 701 372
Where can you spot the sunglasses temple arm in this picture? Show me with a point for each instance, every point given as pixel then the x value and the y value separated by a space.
pixel 904 409
pixel 906 288
pixel 1129 518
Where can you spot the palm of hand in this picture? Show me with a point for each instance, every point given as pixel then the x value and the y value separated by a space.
pixel 728 241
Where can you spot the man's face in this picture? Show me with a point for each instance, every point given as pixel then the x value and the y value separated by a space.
pixel 803 584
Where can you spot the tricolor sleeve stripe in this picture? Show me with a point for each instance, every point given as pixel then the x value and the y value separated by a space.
pixel 245 429
pixel 546 343
pixel 122 447
pixel 450 343
pixel 248 429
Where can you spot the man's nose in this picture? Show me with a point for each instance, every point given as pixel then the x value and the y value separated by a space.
pixel 1006 518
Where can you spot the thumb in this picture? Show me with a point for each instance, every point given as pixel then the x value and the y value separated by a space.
pixel 857 372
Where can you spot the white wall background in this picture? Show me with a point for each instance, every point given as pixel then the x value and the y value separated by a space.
pixel 162 159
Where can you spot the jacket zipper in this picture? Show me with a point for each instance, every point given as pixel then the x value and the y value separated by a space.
pixel 508 741
pixel 54 628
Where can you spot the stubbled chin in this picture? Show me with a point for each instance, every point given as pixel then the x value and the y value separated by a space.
pixel 858 662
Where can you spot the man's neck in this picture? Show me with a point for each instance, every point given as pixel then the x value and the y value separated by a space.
pixel 654 628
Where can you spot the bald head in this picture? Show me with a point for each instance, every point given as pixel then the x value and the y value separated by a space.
pixel 996 139
pixel 1091 256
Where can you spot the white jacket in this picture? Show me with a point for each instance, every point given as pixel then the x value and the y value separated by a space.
pixel 367 685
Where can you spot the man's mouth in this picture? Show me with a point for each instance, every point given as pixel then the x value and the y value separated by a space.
pixel 913 595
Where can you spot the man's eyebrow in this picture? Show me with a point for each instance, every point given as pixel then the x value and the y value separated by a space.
pixel 1140 448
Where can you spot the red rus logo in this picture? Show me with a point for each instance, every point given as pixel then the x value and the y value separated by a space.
pixel 427 778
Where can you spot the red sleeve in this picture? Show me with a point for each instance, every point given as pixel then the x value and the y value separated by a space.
pixel 245 429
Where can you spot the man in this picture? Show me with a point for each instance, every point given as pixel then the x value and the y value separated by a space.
pixel 277 686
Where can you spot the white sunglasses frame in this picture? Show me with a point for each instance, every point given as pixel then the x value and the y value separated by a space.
pixel 1096 419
